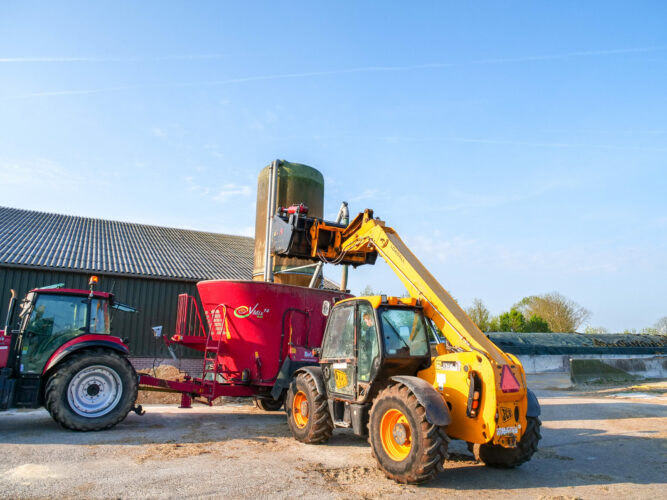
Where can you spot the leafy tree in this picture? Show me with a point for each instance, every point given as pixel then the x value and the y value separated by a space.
pixel 515 321
pixel 595 329
pixel 661 326
pixel 560 313
pixel 479 314
pixel 536 324
pixel 368 290
pixel 643 331
pixel 512 321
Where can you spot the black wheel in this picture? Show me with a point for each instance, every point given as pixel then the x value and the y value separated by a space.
pixel 406 446
pixel 307 411
pixel 506 458
pixel 269 404
pixel 91 390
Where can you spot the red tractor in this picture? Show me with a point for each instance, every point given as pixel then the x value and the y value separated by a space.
pixel 63 357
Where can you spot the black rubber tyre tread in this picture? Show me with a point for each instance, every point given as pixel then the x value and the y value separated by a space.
pixel 429 444
pixel 55 393
pixel 269 404
pixel 508 458
pixel 319 428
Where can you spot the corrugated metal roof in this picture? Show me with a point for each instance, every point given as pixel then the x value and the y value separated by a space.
pixel 38 239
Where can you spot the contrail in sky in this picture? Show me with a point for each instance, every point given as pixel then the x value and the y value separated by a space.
pixel 176 57
pixel 285 76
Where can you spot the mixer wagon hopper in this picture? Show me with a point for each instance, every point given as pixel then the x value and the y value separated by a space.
pixel 253 335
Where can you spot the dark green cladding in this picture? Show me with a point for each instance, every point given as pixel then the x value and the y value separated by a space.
pixel 156 300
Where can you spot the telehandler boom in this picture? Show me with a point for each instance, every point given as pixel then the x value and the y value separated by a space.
pixel 471 389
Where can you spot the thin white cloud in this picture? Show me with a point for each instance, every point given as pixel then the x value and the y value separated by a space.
pixel 366 194
pixel 585 258
pixel 461 201
pixel 363 69
pixel 93 59
pixel 569 55
pixel 74 92
pixel 36 172
pixel 195 187
pixel 489 141
pixel 222 194
pixel 231 191
pixel 158 132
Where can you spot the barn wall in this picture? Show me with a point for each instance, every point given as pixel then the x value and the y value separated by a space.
pixel 156 300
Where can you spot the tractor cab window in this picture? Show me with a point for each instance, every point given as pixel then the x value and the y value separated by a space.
pixel 404 332
pixel 339 337
pixel 58 315
pixel 99 316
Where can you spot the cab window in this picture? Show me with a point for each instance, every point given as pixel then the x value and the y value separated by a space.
pixel 339 337
pixel 58 314
pixel 404 332
pixel 367 342
pixel 99 316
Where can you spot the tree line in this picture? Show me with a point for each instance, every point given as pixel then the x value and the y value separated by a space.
pixel 549 312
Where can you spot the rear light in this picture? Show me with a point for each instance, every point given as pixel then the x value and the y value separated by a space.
pixel 475 400
pixel 474 395
pixel 508 382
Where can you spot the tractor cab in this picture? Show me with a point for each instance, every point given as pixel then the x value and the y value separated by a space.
pixel 49 318
pixel 367 341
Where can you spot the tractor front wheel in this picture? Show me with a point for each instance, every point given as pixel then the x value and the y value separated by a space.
pixel 494 455
pixel 407 447
pixel 307 411
pixel 91 390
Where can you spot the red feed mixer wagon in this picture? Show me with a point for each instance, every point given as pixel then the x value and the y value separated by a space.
pixel 253 335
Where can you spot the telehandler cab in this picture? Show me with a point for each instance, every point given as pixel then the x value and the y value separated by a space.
pixel 63 357
pixel 376 372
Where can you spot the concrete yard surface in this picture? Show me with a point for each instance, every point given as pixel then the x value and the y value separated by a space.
pixel 596 444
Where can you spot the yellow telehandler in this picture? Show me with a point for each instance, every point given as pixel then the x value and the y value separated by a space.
pixel 409 373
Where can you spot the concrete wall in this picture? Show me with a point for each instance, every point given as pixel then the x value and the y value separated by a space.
pixel 591 367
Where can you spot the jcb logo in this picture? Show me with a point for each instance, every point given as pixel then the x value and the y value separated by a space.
pixel 341 378
pixel 506 414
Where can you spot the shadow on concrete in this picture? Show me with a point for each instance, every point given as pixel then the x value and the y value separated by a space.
pixel 566 458
pixel 610 410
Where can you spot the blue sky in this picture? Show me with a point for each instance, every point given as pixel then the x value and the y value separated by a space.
pixel 518 147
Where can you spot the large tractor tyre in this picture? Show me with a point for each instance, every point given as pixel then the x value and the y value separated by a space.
pixel 406 446
pixel 507 458
pixel 269 404
pixel 307 411
pixel 91 390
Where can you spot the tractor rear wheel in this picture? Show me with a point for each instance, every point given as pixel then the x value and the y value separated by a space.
pixel 91 390
pixel 407 447
pixel 494 455
pixel 269 404
pixel 307 411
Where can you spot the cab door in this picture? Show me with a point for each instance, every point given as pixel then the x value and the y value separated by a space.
pixel 54 320
pixel 338 362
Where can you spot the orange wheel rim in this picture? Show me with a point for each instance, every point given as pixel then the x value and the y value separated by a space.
pixel 300 409
pixel 396 435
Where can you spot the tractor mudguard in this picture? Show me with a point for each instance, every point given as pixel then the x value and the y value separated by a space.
pixel 91 340
pixel 534 409
pixel 437 412
pixel 316 373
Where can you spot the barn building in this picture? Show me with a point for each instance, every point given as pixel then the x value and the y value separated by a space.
pixel 144 266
